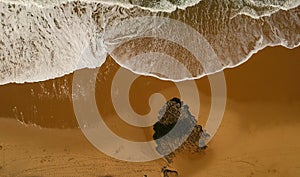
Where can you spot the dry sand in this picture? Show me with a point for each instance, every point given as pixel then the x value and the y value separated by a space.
pixel 258 135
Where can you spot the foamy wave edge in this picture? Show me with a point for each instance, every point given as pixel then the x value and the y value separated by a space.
pixel 164 6
pixel 215 72
pixel 259 46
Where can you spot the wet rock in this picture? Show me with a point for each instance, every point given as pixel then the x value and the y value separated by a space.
pixel 168 173
pixel 176 130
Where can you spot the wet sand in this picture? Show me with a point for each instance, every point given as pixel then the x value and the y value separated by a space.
pixel 257 137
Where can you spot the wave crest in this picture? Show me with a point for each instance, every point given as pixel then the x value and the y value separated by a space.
pixel 42 43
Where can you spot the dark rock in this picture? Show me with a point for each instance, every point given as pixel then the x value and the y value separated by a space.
pixel 168 173
pixel 176 128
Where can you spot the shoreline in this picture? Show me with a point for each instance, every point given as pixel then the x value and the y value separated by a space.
pixel 245 144
pixel 257 137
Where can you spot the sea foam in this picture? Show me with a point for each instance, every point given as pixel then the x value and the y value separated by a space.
pixel 40 40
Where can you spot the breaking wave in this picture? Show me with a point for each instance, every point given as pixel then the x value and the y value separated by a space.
pixel 40 40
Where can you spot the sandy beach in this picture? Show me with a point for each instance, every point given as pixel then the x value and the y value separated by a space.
pixel 258 136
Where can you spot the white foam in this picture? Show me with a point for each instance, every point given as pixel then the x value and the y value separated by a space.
pixel 163 5
pixel 38 44
pixel 265 8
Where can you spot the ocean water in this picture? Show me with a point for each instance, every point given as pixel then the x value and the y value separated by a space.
pixel 169 39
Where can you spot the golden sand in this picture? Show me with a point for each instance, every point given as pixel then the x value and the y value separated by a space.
pixel 258 135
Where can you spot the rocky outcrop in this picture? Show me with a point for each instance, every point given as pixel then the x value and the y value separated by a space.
pixel 177 130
